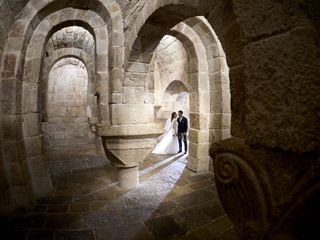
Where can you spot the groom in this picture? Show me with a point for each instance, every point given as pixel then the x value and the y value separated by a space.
pixel 182 131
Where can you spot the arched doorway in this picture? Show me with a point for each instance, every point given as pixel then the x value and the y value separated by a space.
pixel 55 15
pixel 174 98
pixel 191 52
pixel 67 104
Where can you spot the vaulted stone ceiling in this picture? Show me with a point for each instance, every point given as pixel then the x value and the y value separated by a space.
pixel 72 37
pixel 14 5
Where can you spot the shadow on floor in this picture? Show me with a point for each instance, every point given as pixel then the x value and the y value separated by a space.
pixel 170 203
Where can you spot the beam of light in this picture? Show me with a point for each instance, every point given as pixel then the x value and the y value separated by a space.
pixel 128 212
pixel 157 165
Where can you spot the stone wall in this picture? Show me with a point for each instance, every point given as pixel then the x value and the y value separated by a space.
pixel 67 105
pixel 172 65
pixel 72 37
pixel 4 189
pixel 8 11
pixel 271 47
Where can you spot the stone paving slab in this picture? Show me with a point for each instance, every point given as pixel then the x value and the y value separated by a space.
pixel 41 235
pixel 171 202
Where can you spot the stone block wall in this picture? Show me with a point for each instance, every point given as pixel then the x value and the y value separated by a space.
pixel 72 37
pixel 271 47
pixel 8 11
pixel 172 65
pixel 67 105
pixel 4 188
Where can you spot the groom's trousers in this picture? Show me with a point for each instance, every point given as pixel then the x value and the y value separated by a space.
pixel 184 137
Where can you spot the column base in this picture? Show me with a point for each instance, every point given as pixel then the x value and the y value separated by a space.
pixel 128 177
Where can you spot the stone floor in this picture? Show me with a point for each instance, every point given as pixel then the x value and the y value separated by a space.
pixel 65 160
pixel 170 203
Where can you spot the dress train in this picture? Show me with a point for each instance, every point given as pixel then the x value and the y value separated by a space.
pixel 169 142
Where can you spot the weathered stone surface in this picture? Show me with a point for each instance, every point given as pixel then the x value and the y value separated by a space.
pixel 9 65
pixel 237 79
pixel 281 104
pixel 132 113
pixel 134 52
pixel 67 103
pixel 76 37
pixel 220 121
pixel 135 79
pixel 31 124
pixel 218 135
pixel 16 174
pixel 12 127
pixel 11 102
pixel 129 152
pixel 30 99
pixel 198 135
pixel 268 17
pixel 85 235
pixel 31 67
pixel 38 166
pixel 198 164
pixel 34 146
pixel 199 121
pixel 128 177
pixel 164 227
pixel 13 151
pixel 219 80
pixel 228 30
pixel 41 186
pixel 199 149
pixel 242 170
pixel 133 95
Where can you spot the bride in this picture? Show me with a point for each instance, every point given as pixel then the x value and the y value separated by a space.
pixel 169 143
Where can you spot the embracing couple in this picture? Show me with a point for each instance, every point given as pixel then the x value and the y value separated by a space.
pixel 176 133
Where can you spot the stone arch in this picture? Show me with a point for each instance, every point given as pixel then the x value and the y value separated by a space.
pixel 175 91
pixel 195 85
pixel 176 86
pixel 156 25
pixel 140 46
pixel 215 72
pixel 198 85
pixel 175 12
pixel 71 37
pixel 71 52
pixel 36 180
pixel 81 45
pixel 30 88
pixel 82 56
pixel 141 41
pixel 219 14
pixel 36 12
pixel 66 124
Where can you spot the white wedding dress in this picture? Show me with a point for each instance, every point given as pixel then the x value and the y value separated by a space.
pixel 169 141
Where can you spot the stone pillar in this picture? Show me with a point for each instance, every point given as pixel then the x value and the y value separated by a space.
pixel 199 142
pixel 128 145
pixel 128 177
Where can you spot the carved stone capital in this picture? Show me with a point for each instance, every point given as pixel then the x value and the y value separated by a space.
pixel 128 145
pixel 267 193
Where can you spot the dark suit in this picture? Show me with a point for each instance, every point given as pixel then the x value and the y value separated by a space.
pixel 182 133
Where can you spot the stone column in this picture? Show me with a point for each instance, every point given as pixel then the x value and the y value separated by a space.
pixel 128 177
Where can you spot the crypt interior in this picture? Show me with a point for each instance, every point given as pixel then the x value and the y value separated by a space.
pixel 86 87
